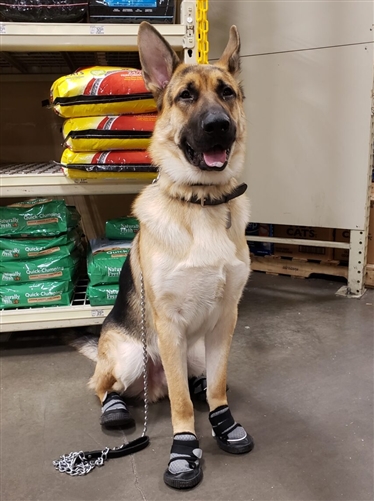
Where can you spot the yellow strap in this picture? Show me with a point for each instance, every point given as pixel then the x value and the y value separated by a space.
pixel 202 25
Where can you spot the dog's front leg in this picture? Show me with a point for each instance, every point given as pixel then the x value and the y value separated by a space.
pixel 184 469
pixel 230 435
pixel 173 350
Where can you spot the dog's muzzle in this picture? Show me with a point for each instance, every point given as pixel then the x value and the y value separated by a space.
pixel 208 143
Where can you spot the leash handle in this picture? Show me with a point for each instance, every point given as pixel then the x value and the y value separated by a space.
pixel 82 463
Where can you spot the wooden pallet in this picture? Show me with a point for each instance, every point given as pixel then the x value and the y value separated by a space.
pixel 295 267
pixel 304 268
pixel 369 281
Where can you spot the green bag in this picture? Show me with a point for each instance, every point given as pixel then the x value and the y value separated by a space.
pixel 105 260
pixel 40 217
pixel 38 269
pixel 12 249
pixel 102 295
pixel 123 228
pixel 36 294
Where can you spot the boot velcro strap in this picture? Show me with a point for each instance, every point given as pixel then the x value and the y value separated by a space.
pixel 187 450
pixel 222 423
pixel 185 447
pixel 193 462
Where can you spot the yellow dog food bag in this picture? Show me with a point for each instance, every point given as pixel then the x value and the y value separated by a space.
pixel 109 160
pixel 108 164
pixel 124 132
pixel 101 90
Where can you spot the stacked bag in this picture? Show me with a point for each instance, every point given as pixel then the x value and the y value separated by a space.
pixel 40 251
pixel 106 258
pixel 110 117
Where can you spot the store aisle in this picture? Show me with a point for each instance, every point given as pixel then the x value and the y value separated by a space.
pixel 300 379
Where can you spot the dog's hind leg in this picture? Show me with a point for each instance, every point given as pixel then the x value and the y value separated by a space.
pixel 103 380
pixel 108 386
pixel 230 435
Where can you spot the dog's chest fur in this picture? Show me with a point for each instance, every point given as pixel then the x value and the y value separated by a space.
pixel 196 266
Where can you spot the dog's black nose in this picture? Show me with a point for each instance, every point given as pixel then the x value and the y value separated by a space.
pixel 215 123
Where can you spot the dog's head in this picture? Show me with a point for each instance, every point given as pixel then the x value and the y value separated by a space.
pixel 200 133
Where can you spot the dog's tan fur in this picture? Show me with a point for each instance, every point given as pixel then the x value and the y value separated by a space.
pixel 194 268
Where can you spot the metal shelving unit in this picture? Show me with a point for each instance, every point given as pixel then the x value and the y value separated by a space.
pixel 71 37
pixel 47 179
pixel 51 48
pixel 79 313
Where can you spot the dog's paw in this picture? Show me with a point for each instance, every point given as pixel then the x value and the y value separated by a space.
pixel 230 435
pixel 114 412
pixel 184 469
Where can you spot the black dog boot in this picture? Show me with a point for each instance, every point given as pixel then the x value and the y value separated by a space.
pixel 184 470
pixel 230 435
pixel 197 387
pixel 114 412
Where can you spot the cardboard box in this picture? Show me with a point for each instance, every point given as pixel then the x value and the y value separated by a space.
pixel 370 254
pixel 343 236
pixel 303 251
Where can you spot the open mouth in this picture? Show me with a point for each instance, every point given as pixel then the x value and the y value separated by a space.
pixel 215 158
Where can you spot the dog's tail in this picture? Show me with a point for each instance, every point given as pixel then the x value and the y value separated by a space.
pixel 85 342
pixel 87 345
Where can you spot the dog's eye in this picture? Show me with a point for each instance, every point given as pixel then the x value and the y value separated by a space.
pixel 227 92
pixel 186 95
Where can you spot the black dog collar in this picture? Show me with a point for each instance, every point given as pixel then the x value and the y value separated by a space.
pixel 239 190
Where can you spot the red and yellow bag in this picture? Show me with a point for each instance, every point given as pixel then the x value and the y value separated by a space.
pixel 101 90
pixel 127 160
pixel 124 132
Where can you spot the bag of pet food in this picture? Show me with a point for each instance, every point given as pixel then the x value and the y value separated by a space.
pixel 15 249
pixel 101 90
pixel 124 132
pixel 81 175
pixel 102 295
pixel 35 294
pixel 105 260
pixel 40 269
pixel 123 228
pixel 108 161
pixel 40 217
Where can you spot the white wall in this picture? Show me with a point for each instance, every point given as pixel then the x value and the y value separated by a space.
pixel 307 69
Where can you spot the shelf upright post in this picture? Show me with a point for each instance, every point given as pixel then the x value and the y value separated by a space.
pixel 188 19
pixel 357 263
pixel 359 238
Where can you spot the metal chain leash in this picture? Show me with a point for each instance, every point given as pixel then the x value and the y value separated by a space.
pixel 76 463
pixel 143 332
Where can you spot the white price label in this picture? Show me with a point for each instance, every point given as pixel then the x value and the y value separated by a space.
pixel 97 313
pixel 97 30
pixel 2 29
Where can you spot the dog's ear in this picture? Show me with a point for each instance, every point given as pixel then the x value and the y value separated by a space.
pixel 230 59
pixel 157 58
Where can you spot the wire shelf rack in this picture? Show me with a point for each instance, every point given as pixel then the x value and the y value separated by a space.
pixel 78 313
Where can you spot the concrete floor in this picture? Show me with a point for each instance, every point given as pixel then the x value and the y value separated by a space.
pixel 301 381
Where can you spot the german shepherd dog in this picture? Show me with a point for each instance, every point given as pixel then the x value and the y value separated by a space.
pixel 191 252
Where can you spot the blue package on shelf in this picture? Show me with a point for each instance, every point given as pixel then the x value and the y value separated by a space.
pixel 263 230
pixel 132 11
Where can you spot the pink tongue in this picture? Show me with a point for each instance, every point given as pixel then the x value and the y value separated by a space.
pixel 215 158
